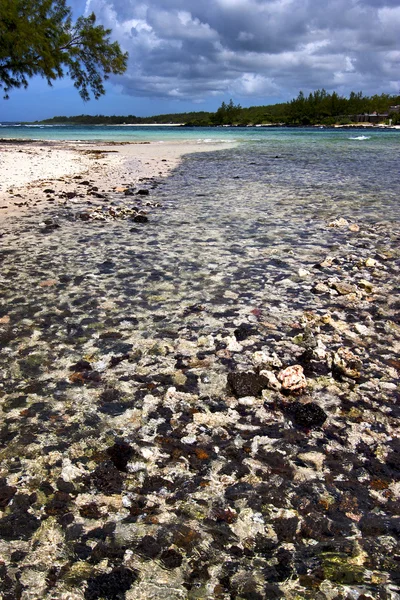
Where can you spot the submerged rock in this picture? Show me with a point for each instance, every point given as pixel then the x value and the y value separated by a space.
pixel 292 379
pixel 246 383
pixel 344 362
pixel 110 586
pixel 308 415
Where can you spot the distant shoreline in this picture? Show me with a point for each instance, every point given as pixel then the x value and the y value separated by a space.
pixel 360 125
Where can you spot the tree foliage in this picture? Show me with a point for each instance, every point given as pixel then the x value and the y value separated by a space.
pixel 227 113
pixel 38 37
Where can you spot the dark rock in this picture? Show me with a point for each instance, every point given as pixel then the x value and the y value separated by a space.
pixel 107 478
pixel 18 556
pixel 111 335
pixel 110 586
pixel 18 526
pixel 115 360
pixel 65 486
pixel 58 505
pixel 10 587
pixel 285 529
pixel 50 225
pixel 66 519
pixel 109 550
pixel 171 559
pixel 307 415
pixel 120 454
pixel 6 493
pixel 90 511
pixel 81 365
pixel 140 219
pixel 143 192
pixel 238 491
pixel 373 525
pixel 73 532
pixel 244 331
pixel 246 383
pixel 272 592
pixel 148 547
pixel 113 409
pixel 106 267
pixel 82 377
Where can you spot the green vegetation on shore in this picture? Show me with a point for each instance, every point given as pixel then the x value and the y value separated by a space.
pixel 318 107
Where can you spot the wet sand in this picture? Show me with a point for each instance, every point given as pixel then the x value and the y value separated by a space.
pixel 28 167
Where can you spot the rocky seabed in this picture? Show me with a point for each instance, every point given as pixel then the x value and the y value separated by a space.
pixel 227 434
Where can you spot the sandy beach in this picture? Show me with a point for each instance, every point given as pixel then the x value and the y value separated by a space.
pixel 29 167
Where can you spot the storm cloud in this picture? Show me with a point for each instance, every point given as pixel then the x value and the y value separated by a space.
pixel 254 48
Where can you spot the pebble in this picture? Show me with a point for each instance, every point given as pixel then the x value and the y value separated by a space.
pixel 303 273
pixel 273 382
pixel 233 345
pixel 247 401
pixel 264 359
pixel 347 363
pixel 362 329
pixel 371 262
pixel 344 288
pixel 292 379
pixel 340 222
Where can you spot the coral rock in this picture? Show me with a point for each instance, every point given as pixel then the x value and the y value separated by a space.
pixel 292 378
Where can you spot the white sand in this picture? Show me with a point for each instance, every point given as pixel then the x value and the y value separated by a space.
pixel 27 168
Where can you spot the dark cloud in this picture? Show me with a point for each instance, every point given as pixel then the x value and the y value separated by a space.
pixel 255 48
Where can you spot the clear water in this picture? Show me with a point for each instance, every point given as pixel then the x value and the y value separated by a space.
pixel 165 298
pixel 239 219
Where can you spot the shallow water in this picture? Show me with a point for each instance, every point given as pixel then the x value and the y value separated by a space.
pixel 159 311
pixel 239 220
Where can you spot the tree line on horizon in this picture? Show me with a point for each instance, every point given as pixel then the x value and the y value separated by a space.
pixel 319 107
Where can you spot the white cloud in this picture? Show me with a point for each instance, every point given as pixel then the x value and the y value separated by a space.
pixel 191 50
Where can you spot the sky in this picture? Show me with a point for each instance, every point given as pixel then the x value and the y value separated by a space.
pixel 189 55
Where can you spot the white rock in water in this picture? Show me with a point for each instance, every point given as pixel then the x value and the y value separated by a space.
pixel 233 345
pixel 135 467
pixel 126 501
pixel 362 329
pixel 69 471
pixel 303 272
pixel 146 453
pixel 315 459
pixel 247 400
pixel 232 295
pixel 263 358
pixel 101 365
pixel 371 262
pixel 339 223
pixel 189 439
pixel 273 382
pixel 320 350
